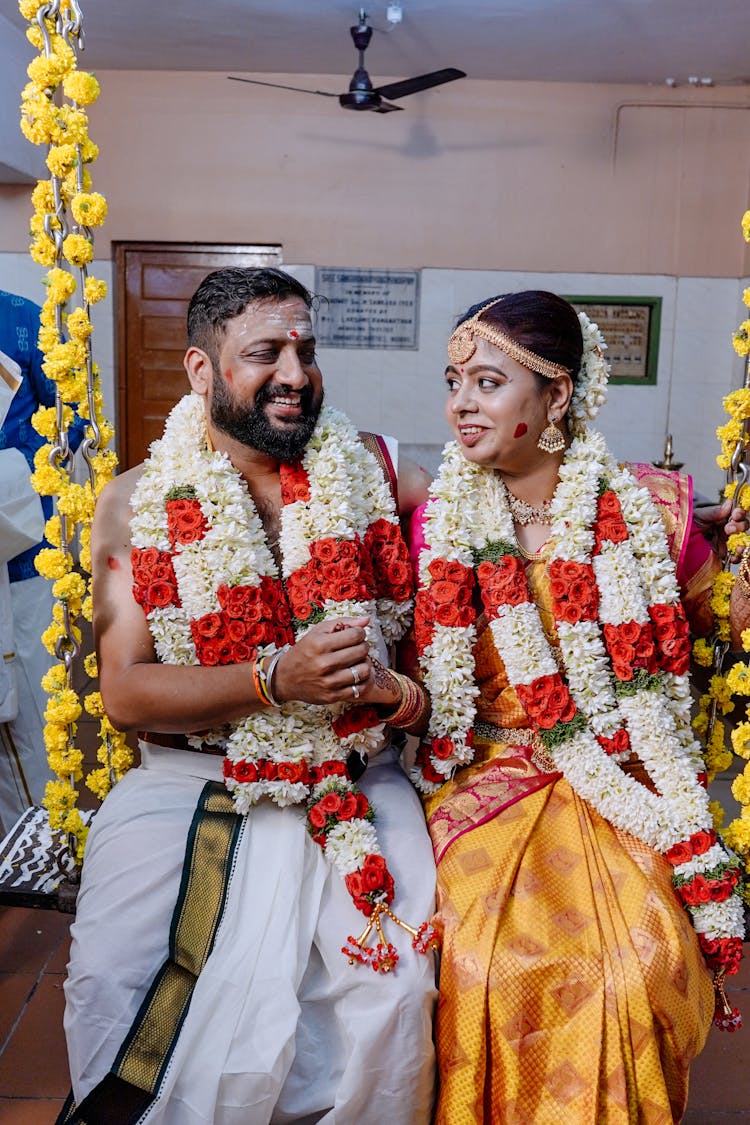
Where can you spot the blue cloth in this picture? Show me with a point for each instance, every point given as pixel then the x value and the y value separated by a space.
pixel 19 327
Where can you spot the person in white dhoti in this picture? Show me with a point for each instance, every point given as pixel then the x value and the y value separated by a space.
pixel 252 941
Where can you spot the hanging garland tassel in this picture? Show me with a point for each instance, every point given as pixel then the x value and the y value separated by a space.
pixel 66 210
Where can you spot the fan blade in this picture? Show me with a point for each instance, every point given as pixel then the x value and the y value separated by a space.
pixel 421 82
pixel 386 107
pixel 276 86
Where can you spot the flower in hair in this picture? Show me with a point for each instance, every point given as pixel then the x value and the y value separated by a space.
pixel 590 392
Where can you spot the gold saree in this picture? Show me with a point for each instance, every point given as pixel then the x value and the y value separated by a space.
pixel 572 987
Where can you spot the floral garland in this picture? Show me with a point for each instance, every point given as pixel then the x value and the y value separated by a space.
pixel 733 435
pixel 625 651
pixel 54 114
pixel 212 593
pixel 590 390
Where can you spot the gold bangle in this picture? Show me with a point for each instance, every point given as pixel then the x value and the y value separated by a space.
pixel 413 705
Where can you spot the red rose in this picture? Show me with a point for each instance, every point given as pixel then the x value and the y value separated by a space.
pixel 317 817
pixel 442 748
pixel 701 841
pixel 295 483
pixel 161 594
pixel 372 880
pixel 245 771
pixel 291 771
pixel 719 891
pixel 348 808
pixel 679 853
pixel 242 653
pixel 209 625
pixel 330 804
pixel 208 651
pixel 325 550
pixel 149 556
pixel 354 884
pixel 437 569
pixel 446 614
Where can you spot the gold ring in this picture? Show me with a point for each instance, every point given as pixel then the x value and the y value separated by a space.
pixel 355 674
pixel 355 691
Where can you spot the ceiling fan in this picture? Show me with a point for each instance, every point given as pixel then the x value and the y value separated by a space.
pixel 362 95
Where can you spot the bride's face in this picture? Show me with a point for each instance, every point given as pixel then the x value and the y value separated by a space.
pixel 497 408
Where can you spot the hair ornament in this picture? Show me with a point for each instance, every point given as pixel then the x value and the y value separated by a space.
pixel 462 345
pixel 590 390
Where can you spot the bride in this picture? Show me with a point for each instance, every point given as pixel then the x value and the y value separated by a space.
pixel 562 783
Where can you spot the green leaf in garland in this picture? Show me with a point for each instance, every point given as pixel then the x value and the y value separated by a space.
pixel 182 492
pixel 642 681
pixel 494 550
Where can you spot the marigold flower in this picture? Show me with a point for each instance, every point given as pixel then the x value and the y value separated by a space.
pixel 42 251
pixel 78 249
pixel 60 286
pixel 703 652
pixel 746 226
pixel 70 587
pixel 79 326
pixel 89 208
pixel 61 158
pixel 81 86
pixel 29 8
pixel 94 290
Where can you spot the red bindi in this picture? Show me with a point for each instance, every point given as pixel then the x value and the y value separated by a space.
pixel 293 334
pixel 521 429
pixel 113 563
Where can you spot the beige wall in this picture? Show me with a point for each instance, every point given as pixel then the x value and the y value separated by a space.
pixel 485 187
pixel 477 175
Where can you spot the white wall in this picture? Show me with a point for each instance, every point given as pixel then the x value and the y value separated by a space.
pixel 401 392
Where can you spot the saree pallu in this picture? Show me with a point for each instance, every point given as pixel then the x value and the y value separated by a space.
pixel 572 987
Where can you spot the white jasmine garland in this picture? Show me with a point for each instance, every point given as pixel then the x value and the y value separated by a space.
pixel 470 512
pixel 347 494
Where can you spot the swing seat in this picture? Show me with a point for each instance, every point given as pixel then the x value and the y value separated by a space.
pixel 35 867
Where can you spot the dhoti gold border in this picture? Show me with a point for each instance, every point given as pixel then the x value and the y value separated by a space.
pixel 134 1080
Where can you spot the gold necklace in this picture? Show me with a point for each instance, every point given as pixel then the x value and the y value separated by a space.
pixel 524 513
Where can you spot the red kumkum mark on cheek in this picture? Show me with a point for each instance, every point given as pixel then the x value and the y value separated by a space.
pixel 520 430
pixel 113 563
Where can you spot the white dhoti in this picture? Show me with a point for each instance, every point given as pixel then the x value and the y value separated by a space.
pixel 280 1027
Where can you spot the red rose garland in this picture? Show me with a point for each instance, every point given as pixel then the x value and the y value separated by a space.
pixel 251 616
pixel 640 652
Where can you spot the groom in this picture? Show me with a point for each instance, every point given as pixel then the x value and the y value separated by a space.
pixel 207 981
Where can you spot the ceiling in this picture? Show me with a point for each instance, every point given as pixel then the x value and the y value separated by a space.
pixel 630 41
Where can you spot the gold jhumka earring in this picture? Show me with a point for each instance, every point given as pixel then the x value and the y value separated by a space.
pixel 551 439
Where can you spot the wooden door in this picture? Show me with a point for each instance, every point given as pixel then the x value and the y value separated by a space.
pixel 155 281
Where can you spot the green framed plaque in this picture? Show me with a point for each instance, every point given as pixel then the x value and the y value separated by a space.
pixel 631 327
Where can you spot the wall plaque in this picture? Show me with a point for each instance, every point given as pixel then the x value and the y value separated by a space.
pixel 367 308
pixel 630 325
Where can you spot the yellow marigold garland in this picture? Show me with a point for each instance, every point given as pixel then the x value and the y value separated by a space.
pixel 734 436
pixel 65 213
